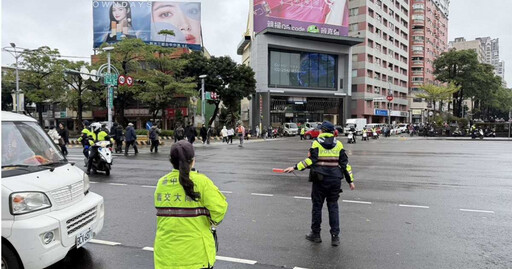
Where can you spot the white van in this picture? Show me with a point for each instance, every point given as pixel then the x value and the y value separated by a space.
pixel 358 124
pixel 290 129
pixel 47 208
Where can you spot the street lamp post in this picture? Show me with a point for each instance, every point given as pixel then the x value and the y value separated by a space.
pixel 16 97
pixel 109 87
pixel 203 103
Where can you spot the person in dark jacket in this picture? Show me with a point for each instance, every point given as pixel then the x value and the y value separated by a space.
pixel 154 136
pixel 191 133
pixel 116 132
pixel 130 139
pixel 204 133
pixel 64 134
pixel 179 133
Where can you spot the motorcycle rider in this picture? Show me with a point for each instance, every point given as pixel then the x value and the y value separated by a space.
pixel 329 164
pixel 84 137
pixel 353 131
pixel 365 134
pixel 97 134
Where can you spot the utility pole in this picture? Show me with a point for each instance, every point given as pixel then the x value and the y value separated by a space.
pixel 109 88
pixel 17 98
pixel 203 103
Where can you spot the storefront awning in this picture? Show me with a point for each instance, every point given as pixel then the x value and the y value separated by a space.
pixel 341 40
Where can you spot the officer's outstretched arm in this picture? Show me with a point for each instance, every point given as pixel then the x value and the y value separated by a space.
pixel 214 201
pixel 310 160
pixel 345 167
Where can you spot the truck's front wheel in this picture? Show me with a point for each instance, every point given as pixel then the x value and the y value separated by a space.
pixel 9 258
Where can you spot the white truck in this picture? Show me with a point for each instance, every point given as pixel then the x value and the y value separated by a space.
pixel 359 124
pixel 47 208
pixel 290 129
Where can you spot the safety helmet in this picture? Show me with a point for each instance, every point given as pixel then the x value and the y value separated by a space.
pixel 96 126
pixel 86 123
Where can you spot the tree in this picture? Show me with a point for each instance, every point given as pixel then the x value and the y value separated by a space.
pixel 81 93
pixel 435 94
pixel 129 57
pixel 42 78
pixel 8 86
pixel 163 83
pixel 231 81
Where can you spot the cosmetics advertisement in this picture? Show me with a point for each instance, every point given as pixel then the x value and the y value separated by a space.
pixel 327 17
pixel 149 21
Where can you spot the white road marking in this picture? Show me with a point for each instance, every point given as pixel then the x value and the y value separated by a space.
pixel 262 194
pixel 301 197
pixel 357 202
pixel 93 182
pixel 145 186
pixel 414 206
pixel 103 242
pixel 75 158
pixel 229 259
pixel 478 211
pixel 220 258
pixel 117 184
pixel 226 191
pixel 299 267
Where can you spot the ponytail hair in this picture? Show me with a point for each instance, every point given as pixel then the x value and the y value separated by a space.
pixel 182 156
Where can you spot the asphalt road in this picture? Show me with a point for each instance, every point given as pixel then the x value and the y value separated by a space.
pixel 418 203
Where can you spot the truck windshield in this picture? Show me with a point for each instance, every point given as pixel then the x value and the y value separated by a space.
pixel 293 125
pixel 25 145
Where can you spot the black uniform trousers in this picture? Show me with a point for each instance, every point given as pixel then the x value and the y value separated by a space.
pixel 94 154
pixel 327 189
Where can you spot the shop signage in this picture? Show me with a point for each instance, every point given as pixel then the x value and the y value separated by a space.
pixel 381 112
pixel 171 112
pixel 416 111
pixel 395 113
pixel 137 112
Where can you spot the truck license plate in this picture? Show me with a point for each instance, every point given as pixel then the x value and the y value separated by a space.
pixel 83 238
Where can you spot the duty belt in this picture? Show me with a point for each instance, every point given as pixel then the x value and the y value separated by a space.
pixel 182 212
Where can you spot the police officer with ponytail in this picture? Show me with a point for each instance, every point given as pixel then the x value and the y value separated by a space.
pixel 328 164
pixel 189 207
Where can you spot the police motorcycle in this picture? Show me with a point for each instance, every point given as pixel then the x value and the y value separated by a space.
pixel 351 138
pixel 103 160
pixel 365 136
pixel 477 133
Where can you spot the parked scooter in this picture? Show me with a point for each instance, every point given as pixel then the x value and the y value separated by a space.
pixel 375 135
pixel 489 133
pixel 103 161
pixel 351 138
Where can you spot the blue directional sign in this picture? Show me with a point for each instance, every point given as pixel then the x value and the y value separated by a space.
pixel 381 112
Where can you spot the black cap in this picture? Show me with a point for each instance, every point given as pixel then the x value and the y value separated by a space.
pixel 326 126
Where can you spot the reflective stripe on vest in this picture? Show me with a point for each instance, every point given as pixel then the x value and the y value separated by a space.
pixel 182 212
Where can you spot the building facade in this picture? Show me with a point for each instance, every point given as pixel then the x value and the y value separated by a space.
pixel 380 63
pixel 492 55
pixel 428 39
pixel 461 43
pixel 301 76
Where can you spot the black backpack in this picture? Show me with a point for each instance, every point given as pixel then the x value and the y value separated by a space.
pixel 152 134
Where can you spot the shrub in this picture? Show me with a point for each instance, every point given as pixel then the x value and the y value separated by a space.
pixel 141 132
pixel 167 133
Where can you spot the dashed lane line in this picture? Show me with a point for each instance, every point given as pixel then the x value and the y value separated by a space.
pixel 302 197
pixel 146 186
pixel 229 259
pixel 357 202
pixel 414 206
pixel 477 211
pixel 226 191
pixel 220 258
pixel 117 184
pixel 103 242
pixel 262 194
pixel 299 267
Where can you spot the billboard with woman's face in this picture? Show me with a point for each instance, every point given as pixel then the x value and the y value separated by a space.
pixel 117 20
pixel 329 17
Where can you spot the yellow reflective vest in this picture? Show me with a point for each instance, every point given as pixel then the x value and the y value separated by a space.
pixel 183 235
pixel 302 131
pixel 331 161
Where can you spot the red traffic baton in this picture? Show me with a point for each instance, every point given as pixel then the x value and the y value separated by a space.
pixel 278 170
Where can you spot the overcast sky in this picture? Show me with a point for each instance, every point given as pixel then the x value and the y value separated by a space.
pixel 67 25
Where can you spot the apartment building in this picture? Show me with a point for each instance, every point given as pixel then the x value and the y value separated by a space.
pixel 380 63
pixel 492 55
pixel 461 43
pixel 428 39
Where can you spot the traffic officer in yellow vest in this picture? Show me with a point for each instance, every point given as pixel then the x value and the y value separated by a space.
pixel 96 134
pixel 189 207
pixel 329 164
pixel 302 132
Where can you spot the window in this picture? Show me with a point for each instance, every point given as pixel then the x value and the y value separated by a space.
pixel 302 69
pixel 353 27
pixel 354 11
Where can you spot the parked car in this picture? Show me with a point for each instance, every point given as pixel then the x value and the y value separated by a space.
pixel 47 208
pixel 313 133
pixel 403 128
pixel 378 126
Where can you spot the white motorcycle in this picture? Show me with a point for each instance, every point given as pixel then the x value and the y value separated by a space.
pixel 351 138
pixel 103 161
pixel 365 136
